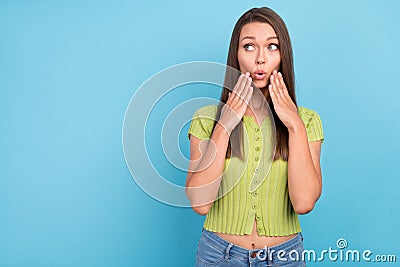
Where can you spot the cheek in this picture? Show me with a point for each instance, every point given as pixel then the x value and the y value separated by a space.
pixel 276 62
pixel 244 61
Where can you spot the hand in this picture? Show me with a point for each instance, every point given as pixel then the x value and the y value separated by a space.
pixel 236 105
pixel 283 104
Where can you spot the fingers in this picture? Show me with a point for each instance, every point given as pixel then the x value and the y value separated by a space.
pixel 241 89
pixel 282 90
pixel 237 103
pixel 285 91
pixel 274 97
pixel 248 95
pixel 244 84
pixel 246 89
pixel 278 88
pixel 238 86
pixel 274 90
pixel 234 91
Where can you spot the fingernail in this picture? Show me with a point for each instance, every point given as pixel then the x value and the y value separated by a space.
pixel 272 76
pixel 275 71
pixel 280 74
pixel 247 74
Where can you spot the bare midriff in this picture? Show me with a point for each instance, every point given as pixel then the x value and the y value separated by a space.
pixel 254 241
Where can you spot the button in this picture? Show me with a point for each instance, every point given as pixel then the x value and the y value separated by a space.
pixel 258 217
pixel 255 181
pixel 256 170
pixel 254 206
pixel 257 138
pixel 259 229
pixel 257 158
pixel 257 148
pixel 257 129
pixel 255 194
pixel 253 254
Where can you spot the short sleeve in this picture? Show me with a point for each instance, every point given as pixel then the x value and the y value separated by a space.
pixel 313 124
pixel 202 122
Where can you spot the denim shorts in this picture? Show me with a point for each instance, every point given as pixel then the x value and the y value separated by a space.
pixel 213 250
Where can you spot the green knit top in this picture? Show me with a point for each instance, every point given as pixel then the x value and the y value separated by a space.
pixel 256 188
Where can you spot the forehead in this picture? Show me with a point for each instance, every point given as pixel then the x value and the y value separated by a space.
pixel 257 29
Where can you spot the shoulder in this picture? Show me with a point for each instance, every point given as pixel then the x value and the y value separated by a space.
pixel 306 111
pixel 203 121
pixel 308 115
pixel 313 123
pixel 209 111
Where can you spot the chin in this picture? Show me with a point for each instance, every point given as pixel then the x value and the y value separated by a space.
pixel 260 84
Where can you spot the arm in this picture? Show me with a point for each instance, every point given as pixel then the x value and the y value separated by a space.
pixel 207 158
pixel 304 171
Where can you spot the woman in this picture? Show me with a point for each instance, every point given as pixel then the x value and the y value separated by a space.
pixel 253 221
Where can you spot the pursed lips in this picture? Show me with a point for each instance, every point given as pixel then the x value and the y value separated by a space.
pixel 259 75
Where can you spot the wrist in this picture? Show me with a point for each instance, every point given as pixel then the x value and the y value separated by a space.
pixel 296 126
pixel 221 129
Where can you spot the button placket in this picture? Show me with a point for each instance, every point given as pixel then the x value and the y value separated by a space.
pixel 254 166
pixel 256 173
pixel 257 156
pixel 254 205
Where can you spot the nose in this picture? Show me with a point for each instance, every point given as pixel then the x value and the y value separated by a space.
pixel 261 58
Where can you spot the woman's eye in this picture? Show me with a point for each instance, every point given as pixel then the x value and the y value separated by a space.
pixel 249 47
pixel 273 47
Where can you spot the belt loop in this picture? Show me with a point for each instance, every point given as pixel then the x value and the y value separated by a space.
pixel 228 248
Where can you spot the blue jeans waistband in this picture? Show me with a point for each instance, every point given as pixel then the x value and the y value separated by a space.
pixel 243 253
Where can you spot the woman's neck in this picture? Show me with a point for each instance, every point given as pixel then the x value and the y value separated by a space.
pixel 257 106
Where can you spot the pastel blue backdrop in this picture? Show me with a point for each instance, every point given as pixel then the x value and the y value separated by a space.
pixel 68 70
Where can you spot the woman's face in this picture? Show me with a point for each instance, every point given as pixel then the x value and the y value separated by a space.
pixel 258 52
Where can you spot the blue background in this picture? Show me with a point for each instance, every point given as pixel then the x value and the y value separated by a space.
pixel 68 70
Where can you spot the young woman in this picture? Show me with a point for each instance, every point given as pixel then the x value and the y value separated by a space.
pixel 253 221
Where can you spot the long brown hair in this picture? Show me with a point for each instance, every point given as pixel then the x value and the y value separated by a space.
pixel 264 15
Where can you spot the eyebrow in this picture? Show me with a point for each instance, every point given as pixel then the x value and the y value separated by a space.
pixel 251 37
